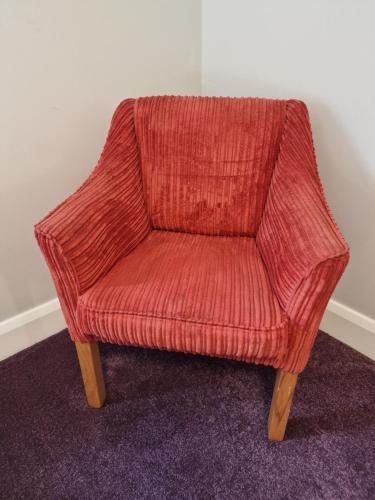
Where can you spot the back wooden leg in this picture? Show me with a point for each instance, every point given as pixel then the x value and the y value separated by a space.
pixel 281 403
pixel 92 375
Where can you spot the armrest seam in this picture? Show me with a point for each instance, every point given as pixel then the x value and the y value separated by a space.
pixel 312 268
pixel 282 135
pixel 60 250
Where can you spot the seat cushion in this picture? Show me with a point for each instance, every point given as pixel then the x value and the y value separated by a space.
pixel 192 293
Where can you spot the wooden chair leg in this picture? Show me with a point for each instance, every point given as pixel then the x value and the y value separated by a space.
pixel 92 375
pixel 281 403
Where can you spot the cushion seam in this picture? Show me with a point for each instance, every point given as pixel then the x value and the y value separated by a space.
pixel 187 320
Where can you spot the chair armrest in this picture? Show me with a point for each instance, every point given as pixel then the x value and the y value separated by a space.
pixel 101 222
pixel 300 243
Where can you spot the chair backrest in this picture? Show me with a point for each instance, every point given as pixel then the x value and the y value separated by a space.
pixel 207 162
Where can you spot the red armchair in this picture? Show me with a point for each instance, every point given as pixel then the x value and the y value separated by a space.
pixel 202 229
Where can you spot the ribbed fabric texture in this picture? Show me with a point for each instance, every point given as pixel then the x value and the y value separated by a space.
pixel 189 292
pixel 105 219
pixel 207 162
pixel 304 252
pixel 155 248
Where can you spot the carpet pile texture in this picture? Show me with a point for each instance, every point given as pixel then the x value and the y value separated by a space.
pixel 184 426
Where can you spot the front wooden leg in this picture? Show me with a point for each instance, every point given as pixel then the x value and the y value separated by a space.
pixel 281 403
pixel 92 375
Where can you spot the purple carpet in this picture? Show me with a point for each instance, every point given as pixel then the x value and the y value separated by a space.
pixel 182 426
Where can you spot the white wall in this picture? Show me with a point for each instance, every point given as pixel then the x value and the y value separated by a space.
pixel 324 53
pixel 64 66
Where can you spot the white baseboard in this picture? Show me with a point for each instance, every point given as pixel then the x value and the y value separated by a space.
pixel 28 328
pixel 350 327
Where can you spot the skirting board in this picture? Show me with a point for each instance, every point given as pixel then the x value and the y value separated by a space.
pixel 31 326
pixel 28 328
pixel 350 327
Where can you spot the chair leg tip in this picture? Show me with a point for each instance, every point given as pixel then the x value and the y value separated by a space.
pixel 95 406
pixel 275 437
pixel 97 400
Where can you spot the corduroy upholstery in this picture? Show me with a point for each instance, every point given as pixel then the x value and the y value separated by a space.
pixel 207 163
pixel 203 229
pixel 176 291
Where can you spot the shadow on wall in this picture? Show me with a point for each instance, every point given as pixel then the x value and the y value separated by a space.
pixel 26 282
pixel 350 187
pixel 347 178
